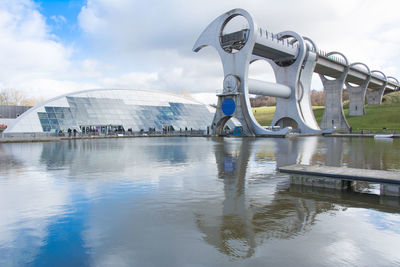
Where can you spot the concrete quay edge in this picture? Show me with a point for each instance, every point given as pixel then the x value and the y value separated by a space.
pixel 357 135
pixel 63 138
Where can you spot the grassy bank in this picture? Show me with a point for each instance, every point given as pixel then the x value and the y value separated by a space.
pixel 376 119
pixel 264 115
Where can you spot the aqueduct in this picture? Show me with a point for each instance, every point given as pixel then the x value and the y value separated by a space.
pixel 294 59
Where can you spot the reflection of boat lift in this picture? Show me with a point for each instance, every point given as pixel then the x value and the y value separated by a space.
pixel 238 130
pixel 240 222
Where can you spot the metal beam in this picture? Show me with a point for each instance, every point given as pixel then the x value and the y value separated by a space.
pixel 268 45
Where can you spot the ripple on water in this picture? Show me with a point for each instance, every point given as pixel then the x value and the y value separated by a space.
pixel 199 201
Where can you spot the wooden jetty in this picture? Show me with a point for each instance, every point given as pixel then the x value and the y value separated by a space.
pixel 341 178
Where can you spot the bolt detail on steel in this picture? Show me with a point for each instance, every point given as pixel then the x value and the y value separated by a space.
pixel 294 59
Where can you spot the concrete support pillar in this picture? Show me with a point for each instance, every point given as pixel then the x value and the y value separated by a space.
pixel 374 97
pixel 296 111
pixel 333 114
pixel 228 106
pixel 357 94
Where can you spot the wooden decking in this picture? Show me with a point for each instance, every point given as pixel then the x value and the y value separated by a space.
pixel 351 174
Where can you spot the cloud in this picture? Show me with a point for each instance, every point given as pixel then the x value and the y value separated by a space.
pixel 160 34
pixel 133 80
pixel 134 44
pixel 59 20
pixel 27 49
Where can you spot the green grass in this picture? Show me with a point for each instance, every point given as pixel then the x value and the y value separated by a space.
pixel 264 115
pixel 376 118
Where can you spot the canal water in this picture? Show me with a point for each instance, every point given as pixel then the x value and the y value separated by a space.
pixel 193 202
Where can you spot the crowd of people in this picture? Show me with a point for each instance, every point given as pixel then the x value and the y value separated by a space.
pixel 92 131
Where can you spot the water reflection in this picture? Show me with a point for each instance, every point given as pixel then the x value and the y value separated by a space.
pixel 109 156
pixel 247 218
pixel 182 201
pixel 29 201
pixel 372 153
pixel 334 151
pixel 231 234
pixel 367 153
pixel 244 222
pixel 7 161
pixel 41 185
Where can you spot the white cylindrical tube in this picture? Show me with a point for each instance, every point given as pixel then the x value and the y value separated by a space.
pixel 257 87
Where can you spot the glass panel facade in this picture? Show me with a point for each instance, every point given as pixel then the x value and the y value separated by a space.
pixel 56 118
pixel 100 112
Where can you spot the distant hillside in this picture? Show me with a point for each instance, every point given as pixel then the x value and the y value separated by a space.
pixel 392 98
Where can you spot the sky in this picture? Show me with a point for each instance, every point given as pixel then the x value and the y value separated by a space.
pixel 53 47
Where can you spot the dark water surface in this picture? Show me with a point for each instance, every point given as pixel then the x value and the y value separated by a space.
pixel 192 202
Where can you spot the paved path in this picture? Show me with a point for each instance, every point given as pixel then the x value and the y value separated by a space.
pixel 61 138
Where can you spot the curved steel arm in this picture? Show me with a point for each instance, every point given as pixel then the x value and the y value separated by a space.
pixel 360 63
pixel 346 70
pixel 393 78
pixel 210 36
pixel 287 34
pixel 366 67
pixel 314 46
pixel 340 54
pixel 383 74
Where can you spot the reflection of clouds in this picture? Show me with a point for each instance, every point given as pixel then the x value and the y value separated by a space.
pixel 35 191
pixel 170 201
pixel 344 249
pixel 340 239
pixel 153 222
pixel 28 207
pixel 29 199
pixel 359 241
pixel 385 221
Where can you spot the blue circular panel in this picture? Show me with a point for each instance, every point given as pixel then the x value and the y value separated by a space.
pixel 228 106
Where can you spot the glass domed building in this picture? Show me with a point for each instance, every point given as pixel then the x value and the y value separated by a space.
pixel 105 110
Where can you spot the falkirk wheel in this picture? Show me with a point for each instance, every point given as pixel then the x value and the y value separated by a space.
pixel 293 59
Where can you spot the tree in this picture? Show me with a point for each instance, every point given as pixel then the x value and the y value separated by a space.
pixel 15 97
pixel 317 98
pixel 261 101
